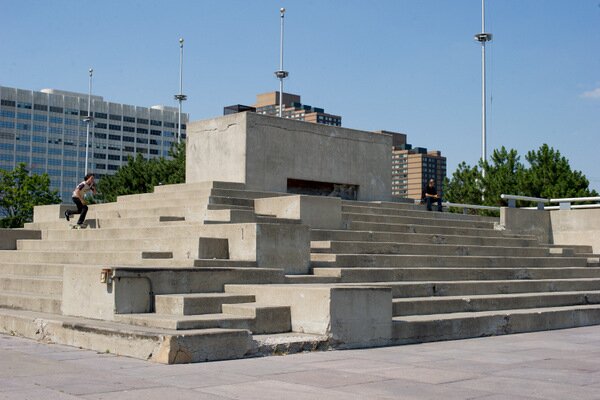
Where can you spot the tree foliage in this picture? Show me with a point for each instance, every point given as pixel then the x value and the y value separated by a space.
pixel 20 191
pixel 140 175
pixel 548 175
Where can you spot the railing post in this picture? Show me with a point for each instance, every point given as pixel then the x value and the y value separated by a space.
pixel 564 205
pixel 512 203
pixel 540 205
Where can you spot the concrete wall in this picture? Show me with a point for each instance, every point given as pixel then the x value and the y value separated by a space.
pixel 263 152
pixel 580 226
pixel 317 212
pixel 527 222
pixel 566 227
pixel 351 316
pixel 9 237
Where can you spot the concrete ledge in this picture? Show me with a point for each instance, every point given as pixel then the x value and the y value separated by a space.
pixel 354 316
pixel 527 222
pixel 9 237
pixel 52 212
pixel 132 290
pixel 318 212
pixel 161 346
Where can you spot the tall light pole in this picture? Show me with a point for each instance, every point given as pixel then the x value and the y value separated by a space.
pixel 180 97
pixel 482 38
pixel 88 121
pixel 281 74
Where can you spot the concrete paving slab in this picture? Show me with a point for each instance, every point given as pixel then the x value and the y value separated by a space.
pixel 277 390
pixel 527 387
pixel 560 364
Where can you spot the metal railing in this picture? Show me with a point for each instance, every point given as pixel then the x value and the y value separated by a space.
pixel 466 207
pixel 563 203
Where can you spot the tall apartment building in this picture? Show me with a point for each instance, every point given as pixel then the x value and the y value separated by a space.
pixel 268 103
pixel 46 131
pixel 413 167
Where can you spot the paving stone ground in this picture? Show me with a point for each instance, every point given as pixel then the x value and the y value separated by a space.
pixel 561 364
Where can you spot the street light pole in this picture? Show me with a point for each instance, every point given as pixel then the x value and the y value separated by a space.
pixel 88 121
pixel 180 97
pixel 281 74
pixel 483 37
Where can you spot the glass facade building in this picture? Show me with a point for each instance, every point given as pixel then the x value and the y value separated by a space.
pixel 47 131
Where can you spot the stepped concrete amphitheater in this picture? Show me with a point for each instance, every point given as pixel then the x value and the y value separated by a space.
pixel 243 261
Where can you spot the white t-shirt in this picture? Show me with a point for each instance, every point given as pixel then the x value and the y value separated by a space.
pixel 83 187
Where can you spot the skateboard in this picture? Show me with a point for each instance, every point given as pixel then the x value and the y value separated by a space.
pixel 82 226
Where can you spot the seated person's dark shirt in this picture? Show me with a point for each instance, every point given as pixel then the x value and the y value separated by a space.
pixel 431 190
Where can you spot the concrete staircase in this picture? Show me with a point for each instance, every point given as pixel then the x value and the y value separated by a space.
pixel 454 276
pixel 451 275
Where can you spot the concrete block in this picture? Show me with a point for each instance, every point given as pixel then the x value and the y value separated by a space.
pixel 576 226
pixel 527 222
pixel 318 212
pixel 9 237
pixel 213 248
pixel 351 316
pixel 52 212
pixel 264 152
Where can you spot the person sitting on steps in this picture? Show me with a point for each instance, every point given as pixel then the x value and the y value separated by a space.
pixel 431 195
pixel 79 199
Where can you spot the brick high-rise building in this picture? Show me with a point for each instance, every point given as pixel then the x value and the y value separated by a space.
pixel 268 103
pixel 413 167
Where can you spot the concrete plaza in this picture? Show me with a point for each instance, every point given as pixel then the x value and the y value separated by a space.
pixel 560 364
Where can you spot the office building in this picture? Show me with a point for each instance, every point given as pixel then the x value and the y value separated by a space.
pixel 413 167
pixel 268 104
pixel 46 130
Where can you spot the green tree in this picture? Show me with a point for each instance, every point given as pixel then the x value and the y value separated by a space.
pixel 503 174
pixel 140 175
pixel 550 176
pixel 464 186
pixel 20 192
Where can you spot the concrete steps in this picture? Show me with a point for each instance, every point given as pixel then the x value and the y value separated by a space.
pixel 259 319
pixel 360 247
pixel 450 275
pixel 433 238
pixel 494 302
pixel 33 301
pixel 353 275
pixel 432 222
pixel 323 260
pixel 423 229
pixel 410 212
pixel 69 257
pixel 450 326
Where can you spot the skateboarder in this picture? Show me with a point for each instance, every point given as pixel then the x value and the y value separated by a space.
pixel 79 200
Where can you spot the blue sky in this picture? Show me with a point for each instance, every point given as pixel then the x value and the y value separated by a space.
pixel 410 66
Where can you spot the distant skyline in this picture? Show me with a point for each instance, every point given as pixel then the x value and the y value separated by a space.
pixel 400 65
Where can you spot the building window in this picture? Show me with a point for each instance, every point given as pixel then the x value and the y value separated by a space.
pixel 8 103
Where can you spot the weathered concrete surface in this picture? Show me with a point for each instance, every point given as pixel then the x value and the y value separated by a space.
pixel 351 316
pixel 161 346
pixel 527 222
pixel 565 227
pixel 131 290
pixel 315 211
pixel 9 237
pixel 264 152
pixel 51 212
pixel 577 226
